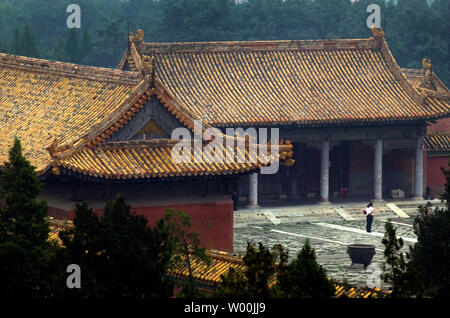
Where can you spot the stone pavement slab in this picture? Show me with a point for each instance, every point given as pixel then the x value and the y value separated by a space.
pixel 397 210
pixel 329 243
pixel 344 214
pixel 272 218
pixel 356 230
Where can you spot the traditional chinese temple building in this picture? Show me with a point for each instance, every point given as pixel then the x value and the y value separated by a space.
pixel 356 121
pixel 437 139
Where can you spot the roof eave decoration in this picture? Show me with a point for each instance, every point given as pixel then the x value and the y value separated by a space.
pixel 377 37
pixel 438 142
pixel 381 44
pixel 428 78
pixel 148 159
pixel 110 125
pixel 135 103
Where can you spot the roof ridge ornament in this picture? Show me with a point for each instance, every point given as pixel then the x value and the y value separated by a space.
pixel 428 78
pixel 377 36
pixel 57 150
pixel 147 65
pixel 377 33
pixel 139 37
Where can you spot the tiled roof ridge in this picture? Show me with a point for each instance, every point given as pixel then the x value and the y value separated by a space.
pixel 431 93
pixel 175 106
pixel 102 131
pixel 438 133
pixel 397 72
pixel 148 87
pixel 127 111
pixel 284 146
pixel 419 74
pixel 71 70
pixel 224 256
pixel 437 142
pixel 138 143
pixel 266 45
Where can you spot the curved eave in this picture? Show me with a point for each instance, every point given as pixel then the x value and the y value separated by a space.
pixel 97 177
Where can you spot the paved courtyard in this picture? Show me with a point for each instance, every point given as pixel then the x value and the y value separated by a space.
pixel 330 239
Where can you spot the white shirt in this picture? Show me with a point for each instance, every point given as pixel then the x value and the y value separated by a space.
pixel 369 210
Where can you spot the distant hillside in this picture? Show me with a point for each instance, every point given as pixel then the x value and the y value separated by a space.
pixel 414 28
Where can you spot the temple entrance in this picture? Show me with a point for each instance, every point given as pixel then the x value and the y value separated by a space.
pixel 339 170
pixel 351 174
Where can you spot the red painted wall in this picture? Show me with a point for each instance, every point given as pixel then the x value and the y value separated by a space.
pixel 212 221
pixel 441 125
pixel 435 177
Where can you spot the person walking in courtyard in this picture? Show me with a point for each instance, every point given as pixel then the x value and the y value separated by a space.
pixel 369 217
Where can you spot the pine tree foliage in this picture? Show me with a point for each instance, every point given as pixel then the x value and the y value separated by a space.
pixel 426 270
pixel 24 246
pixel 268 274
pixel 118 253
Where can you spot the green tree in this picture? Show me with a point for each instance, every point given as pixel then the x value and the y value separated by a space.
pixel 24 247
pixel 254 280
pixel 431 254
pixel 395 268
pixel 118 253
pixel 59 52
pixel 16 45
pixel 304 277
pixel 425 272
pixel 85 45
pixel 28 45
pixel 186 247
pixel 268 274
pixel 73 46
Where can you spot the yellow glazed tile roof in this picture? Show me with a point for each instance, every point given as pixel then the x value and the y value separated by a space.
pixel 57 226
pixel 437 142
pixel 58 107
pixel 416 76
pixel 221 262
pixel 281 82
pixel 43 100
pixel 151 159
pixel 437 99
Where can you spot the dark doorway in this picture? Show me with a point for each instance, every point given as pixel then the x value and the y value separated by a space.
pixel 339 169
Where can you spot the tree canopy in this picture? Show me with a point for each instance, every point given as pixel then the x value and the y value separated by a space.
pixel 24 246
pixel 426 269
pixel 414 28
